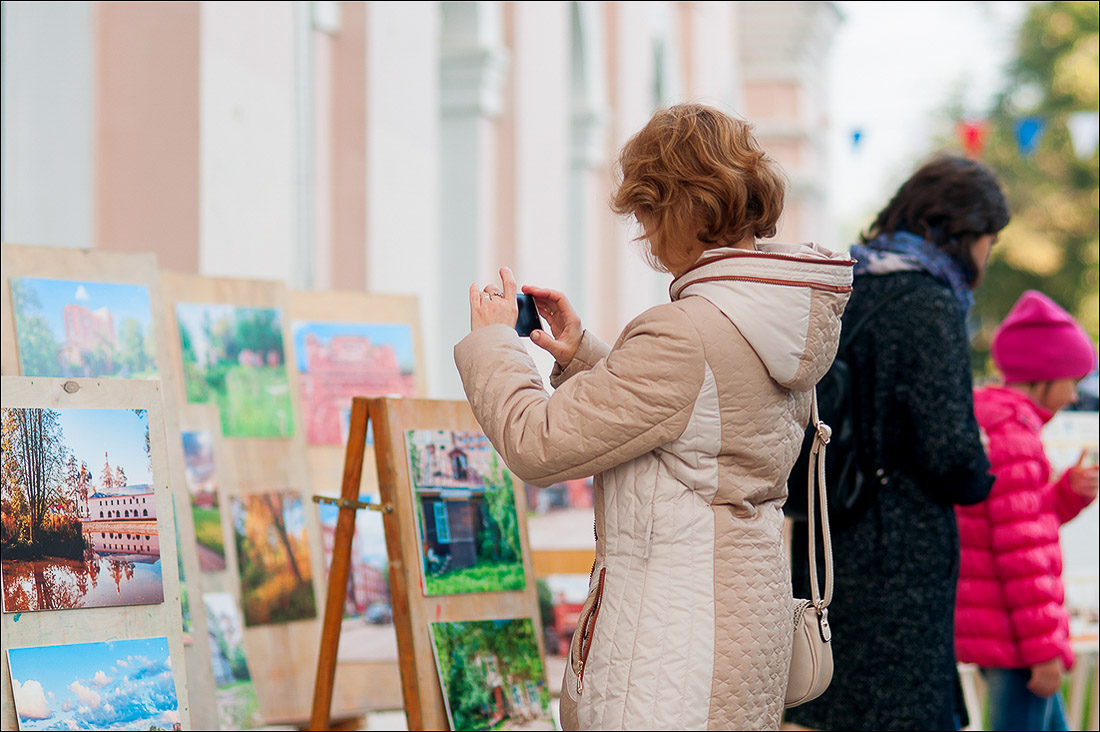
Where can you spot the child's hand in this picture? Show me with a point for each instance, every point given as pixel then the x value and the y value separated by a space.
pixel 1084 480
pixel 1046 678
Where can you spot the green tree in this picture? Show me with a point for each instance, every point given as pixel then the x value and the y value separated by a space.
pixel 39 354
pixel 37 447
pixel 133 349
pixel 501 501
pixel 1051 244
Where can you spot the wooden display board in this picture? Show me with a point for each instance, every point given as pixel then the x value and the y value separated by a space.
pixel 116 622
pixel 413 610
pixel 281 655
pixel 356 324
pixel 89 268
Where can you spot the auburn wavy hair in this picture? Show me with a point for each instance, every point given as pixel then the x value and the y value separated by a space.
pixel 694 175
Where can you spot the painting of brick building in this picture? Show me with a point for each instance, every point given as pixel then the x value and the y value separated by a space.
pixel 83 328
pixel 338 361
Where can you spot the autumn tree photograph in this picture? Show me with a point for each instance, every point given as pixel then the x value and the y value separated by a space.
pixel 273 558
pixel 78 524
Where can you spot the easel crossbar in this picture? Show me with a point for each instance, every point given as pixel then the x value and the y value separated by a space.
pixel 350 503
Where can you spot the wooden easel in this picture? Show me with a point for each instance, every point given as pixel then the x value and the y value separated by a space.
pixel 412 610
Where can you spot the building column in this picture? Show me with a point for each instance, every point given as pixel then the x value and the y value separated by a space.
pixel 473 61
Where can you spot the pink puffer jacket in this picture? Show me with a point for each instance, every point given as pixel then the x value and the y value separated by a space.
pixel 1010 610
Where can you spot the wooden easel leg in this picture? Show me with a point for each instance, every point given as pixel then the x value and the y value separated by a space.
pixel 341 565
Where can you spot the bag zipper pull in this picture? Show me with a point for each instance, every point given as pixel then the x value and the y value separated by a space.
pixel 580 680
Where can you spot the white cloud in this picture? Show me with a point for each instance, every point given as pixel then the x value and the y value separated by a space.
pixel 168 662
pixel 85 695
pixel 71 723
pixel 82 709
pixel 30 700
pixel 52 697
pixel 122 663
pixel 108 708
pixel 101 679
pixel 172 716
pixel 81 293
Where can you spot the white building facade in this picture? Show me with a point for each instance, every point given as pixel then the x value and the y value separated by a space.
pixel 391 147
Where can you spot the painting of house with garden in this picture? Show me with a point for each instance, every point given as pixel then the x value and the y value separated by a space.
pixel 492 675
pixel 466 514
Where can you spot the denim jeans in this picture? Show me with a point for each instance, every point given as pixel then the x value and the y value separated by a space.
pixel 1013 707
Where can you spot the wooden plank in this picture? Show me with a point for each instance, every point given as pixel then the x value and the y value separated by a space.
pixel 413 610
pixel 127 269
pixel 282 656
pixel 338 571
pixel 98 624
pixel 326 465
pixel 563 561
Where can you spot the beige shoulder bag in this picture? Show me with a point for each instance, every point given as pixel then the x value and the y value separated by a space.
pixel 812 654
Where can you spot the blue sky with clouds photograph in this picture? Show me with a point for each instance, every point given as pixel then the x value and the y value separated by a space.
pixel 126 684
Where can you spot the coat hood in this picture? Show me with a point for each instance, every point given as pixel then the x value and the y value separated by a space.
pixel 786 299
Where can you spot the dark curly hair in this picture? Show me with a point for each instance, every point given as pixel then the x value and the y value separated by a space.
pixel 950 201
pixel 696 175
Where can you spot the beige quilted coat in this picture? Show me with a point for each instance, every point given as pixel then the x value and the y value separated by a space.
pixel 691 424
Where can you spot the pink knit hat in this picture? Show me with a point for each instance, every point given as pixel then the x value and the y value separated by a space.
pixel 1040 341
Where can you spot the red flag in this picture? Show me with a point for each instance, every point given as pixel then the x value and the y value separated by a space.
pixel 972 136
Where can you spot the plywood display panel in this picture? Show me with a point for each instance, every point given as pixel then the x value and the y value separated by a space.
pixel 282 655
pixel 413 610
pixel 341 332
pixel 87 270
pixel 105 623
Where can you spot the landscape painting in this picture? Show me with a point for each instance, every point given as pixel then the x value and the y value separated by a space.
pixel 78 516
pixel 202 485
pixel 237 704
pixel 492 675
pixel 338 361
pixel 121 684
pixel 367 632
pixel 80 328
pixel 234 357
pixel 466 514
pixel 273 558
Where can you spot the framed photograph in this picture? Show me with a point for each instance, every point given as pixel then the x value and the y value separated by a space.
pixel 234 357
pixel 83 328
pixel 492 675
pixel 273 558
pixel 202 485
pixel 238 707
pixel 340 360
pixel 121 684
pixel 79 511
pixel 465 505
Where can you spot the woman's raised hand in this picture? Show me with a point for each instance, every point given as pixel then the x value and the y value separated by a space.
pixel 492 305
pixel 565 325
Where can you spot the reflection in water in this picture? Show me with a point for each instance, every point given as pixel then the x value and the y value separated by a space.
pixel 58 584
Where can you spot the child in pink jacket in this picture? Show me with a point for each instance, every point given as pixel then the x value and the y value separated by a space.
pixel 1010 616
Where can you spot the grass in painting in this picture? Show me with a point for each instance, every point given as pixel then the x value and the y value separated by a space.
pixel 500 577
pixel 208 528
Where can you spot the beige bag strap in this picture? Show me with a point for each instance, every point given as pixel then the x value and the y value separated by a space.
pixel 817 468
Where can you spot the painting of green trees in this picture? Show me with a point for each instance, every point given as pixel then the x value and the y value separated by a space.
pixel 492 674
pixel 234 357
pixel 82 328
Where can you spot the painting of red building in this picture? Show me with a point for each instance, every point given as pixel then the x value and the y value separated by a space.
pixel 339 361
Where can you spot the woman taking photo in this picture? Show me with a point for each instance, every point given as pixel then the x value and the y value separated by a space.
pixel 690 423
pixel 919 449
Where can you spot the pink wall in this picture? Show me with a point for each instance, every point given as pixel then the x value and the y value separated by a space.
pixel 146 179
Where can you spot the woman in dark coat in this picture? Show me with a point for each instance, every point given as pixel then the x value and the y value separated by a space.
pixel 896 566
